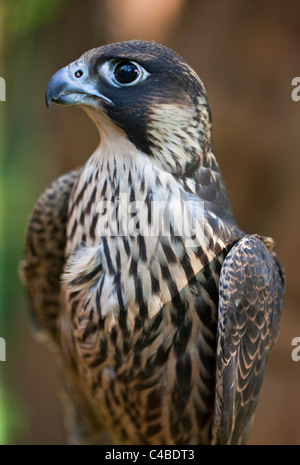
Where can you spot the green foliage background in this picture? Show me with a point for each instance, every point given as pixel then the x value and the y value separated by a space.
pixel 21 143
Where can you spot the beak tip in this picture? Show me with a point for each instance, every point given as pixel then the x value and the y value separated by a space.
pixel 55 85
pixel 48 98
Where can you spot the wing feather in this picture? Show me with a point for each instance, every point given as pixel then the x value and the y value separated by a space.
pixel 251 291
pixel 44 254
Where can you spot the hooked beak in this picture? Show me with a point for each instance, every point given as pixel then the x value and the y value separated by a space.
pixel 71 85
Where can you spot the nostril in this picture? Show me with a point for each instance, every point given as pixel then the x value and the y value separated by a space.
pixel 78 73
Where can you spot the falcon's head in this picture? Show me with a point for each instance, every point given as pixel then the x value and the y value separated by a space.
pixel 148 92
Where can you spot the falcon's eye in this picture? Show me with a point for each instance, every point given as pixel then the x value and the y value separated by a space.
pixel 122 72
pixel 126 72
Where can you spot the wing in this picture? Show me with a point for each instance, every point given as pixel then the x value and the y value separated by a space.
pixel 251 291
pixel 41 271
pixel 45 244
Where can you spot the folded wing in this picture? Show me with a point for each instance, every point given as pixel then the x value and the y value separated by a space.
pixel 251 291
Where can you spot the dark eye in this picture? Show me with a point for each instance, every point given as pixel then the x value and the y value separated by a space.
pixel 126 72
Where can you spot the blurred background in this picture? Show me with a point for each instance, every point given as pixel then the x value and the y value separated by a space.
pixel 247 54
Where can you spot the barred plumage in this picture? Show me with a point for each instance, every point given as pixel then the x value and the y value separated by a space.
pixel 160 300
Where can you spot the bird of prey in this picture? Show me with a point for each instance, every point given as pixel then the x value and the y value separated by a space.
pixel 161 309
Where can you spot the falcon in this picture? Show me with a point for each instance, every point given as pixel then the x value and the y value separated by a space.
pixel 161 309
